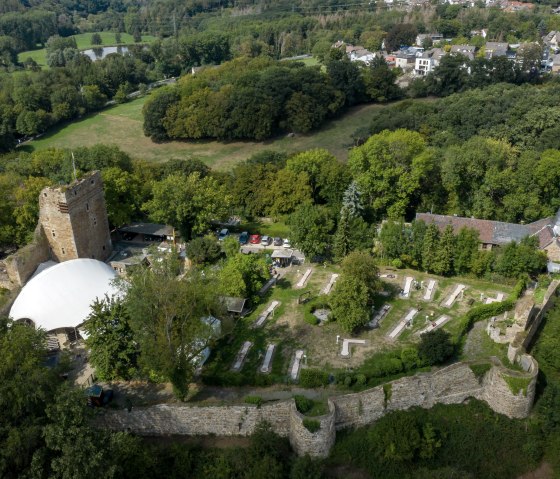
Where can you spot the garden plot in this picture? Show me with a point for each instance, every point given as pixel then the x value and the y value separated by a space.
pixel 241 356
pixel 406 321
pixel 459 289
pixel 262 318
pixel 429 293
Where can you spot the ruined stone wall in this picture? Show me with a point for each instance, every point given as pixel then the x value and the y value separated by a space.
pixel 317 443
pixel 74 219
pixel 534 325
pixel 23 263
pixel 499 396
pixel 451 385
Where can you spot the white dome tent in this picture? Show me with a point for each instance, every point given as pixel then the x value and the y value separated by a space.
pixel 61 296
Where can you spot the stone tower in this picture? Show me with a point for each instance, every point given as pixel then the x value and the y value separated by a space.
pixel 74 219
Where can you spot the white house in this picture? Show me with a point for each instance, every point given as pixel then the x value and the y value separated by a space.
pixel 428 61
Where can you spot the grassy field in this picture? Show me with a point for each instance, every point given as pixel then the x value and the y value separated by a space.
pixel 122 125
pixel 83 40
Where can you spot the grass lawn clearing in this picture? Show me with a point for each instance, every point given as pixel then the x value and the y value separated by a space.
pixel 122 125
pixel 83 40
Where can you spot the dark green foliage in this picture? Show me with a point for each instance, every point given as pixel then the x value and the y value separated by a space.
pixel 110 340
pixel 464 441
pixel 245 98
pixel 312 425
pixel 96 39
pixel 313 378
pixel 306 468
pixel 311 228
pixel 203 250
pixel 435 346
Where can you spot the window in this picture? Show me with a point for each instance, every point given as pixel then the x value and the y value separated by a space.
pixel 63 251
pixel 92 182
pixel 53 234
pixel 103 248
pixel 94 221
pixel 45 195
pixel 87 206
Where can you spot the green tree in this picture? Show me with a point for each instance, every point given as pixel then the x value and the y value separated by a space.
pixel 242 276
pixel 397 440
pixel 443 261
pixel 389 170
pixel 349 303
pixel 429 248
pixel 361 266
pixel 26 211
pixel 517 259
pixel 111 340
pixel 466 249
pixel 379 81
pixel 352 200
pixel 289 190
pixel 92 97
pixel 311 227
pixel 188 203
pixel 400 34
pixel 203 250
pixel 155 109
pixel 435 346
pixel 96 39
pixel 122 195
pixel 393 239
pixel 167 318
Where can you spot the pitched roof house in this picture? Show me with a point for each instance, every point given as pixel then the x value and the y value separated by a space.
pixel 498 233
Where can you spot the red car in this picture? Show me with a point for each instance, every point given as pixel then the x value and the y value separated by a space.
pixel 255 239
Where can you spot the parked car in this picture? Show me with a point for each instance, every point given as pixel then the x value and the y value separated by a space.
pixel 255 239
pixel 243 237
pixel 286 243
pixel 266 240
pixel 277 241
pixel 223 234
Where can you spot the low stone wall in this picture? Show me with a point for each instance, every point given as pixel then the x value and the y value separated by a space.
pixel 451 385
pixel 23 263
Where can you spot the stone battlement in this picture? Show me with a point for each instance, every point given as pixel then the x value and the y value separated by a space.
pixel 450 385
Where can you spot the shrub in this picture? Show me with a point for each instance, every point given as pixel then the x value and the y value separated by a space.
pixel 387 393
pixel 313 378
pixel 397 263
pixel 435 346
pixel 303 404
pixel 256 400
pixel 312 425
pixel 361 379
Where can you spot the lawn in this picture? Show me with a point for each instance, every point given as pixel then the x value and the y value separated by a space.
pixel 289 329
pixel 83 40
pixel 122 125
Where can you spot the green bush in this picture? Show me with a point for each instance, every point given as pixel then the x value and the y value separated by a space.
pixel 313 378
pixel 303 404
pixel 256 400
pixel 517 384
pixel 387 393
pixel 312 425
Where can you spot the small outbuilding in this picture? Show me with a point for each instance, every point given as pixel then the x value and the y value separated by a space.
pixel 282 257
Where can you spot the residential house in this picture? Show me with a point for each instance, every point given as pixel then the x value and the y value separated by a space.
pixel 404 61
pixel 426 63
pixel 466 50
pixel 552 40
pixel 390 59
pixel 496 49
pixel 497 233
pixel 434 37
pixel 518 6
pixel 361 55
